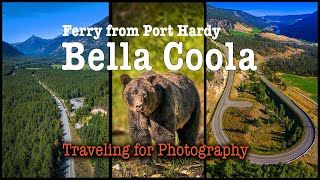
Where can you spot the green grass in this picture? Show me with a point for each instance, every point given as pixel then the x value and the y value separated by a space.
pixel 59 66
pixel 34 68
pixel 56 66
pixel 309 85
pixel 237 33
pixel 255 30
pixel 265 139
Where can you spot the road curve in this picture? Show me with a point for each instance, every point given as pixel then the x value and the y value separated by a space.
pixel 222 138
pixel 66 130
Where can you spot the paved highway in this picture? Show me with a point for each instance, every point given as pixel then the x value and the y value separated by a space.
pixel 66 130
pixel 223 139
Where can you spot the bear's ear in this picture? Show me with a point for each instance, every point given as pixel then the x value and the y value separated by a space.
pixel 152 79
pixel 125 79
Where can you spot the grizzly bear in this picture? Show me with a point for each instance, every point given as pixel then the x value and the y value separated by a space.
pixel 159 105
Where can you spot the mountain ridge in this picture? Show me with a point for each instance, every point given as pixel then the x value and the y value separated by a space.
pixel 234 16
pixel 294 26
pixel 52 47
pixel 306 29
pixel 10 51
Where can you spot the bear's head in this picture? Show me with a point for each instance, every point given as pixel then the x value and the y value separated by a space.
pixel 140 94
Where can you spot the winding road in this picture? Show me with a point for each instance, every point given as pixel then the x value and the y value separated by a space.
pixel 66 130
pixel 222 138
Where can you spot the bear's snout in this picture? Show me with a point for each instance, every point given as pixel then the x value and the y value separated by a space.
pixel 138 106
pixel 138 103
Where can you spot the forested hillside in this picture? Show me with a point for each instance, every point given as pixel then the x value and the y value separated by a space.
pixel 234 16
pixel 9 51
pixel 96 132
pixel 32 137
pixel 245 169
pixel 304 64
pixel 260 45
pixel 94 87
pixel 306 29
pixel 69 84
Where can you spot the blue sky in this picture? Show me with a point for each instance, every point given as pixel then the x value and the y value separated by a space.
pixel 269 8
pixel 45 20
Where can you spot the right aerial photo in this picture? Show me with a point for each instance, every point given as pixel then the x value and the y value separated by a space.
pixel 273 108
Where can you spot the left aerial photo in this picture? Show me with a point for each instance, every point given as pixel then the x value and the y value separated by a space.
pixel 44 106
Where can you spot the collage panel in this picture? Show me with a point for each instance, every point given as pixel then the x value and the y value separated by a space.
pixel 273 109
pixel 45 107
pixel 172 101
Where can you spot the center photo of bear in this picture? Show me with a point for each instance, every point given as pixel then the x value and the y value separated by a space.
pixel 158 106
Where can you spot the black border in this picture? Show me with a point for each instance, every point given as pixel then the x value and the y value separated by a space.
pixel 110 96
pixel 110 72
pixel 205 90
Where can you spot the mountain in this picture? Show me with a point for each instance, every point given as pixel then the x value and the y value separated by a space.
pixel 10 51
pixel 284 20
pixel 33 45
pixel 306 29
pixel 304 26
pixel 53 47
pixel 229 17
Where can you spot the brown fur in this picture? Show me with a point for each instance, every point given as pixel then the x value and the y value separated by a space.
pixel 159 105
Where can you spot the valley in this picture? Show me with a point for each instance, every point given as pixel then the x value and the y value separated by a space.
pixel 268 92
pixel 92 86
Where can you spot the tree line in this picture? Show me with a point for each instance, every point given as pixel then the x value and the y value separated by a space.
pixel 31 129
pixel 245 169
pixel 96 132
pixel 93 86
pixel 278 111
pixel 304 64
pixel 258 44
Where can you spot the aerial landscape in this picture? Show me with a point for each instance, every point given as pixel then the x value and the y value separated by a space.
pixel 44 106
pixel 274 110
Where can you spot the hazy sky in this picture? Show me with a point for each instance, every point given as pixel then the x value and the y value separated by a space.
pixel 45 20
pixel 269 8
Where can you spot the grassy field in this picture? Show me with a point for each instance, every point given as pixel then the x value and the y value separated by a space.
pixel 59 66
pixel 33 68
pixel 265 139
pixel 306 85
pixel 83 167
pixel 237 33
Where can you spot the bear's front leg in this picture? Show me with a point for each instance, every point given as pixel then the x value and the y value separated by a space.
pixel 162 134
pixel 163 131
pixel 163 124
pixel 140 133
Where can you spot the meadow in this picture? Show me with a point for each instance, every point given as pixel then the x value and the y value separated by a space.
pixel 237 33
pixel 307 85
